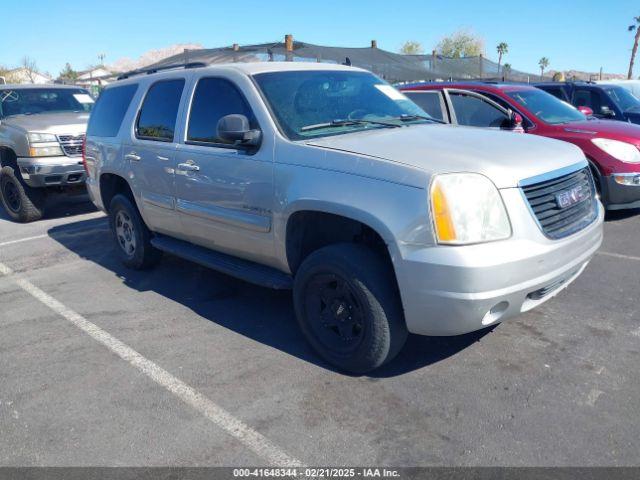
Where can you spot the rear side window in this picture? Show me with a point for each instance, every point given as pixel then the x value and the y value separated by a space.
pixel 430 102
pixel 213 99
pixel 159 112
pixel 109 111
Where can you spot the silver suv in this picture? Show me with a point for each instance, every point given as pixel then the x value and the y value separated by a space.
pixel 42 129
pixel 326 180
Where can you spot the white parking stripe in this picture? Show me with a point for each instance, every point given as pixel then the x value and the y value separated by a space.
pixel 27 239
pixel 61 234
pixel 618 255
pixel 235 427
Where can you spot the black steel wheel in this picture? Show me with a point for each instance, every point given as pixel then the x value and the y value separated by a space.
pixel 348 307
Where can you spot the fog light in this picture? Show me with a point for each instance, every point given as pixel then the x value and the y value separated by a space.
pixel 627 178
pixel 495 313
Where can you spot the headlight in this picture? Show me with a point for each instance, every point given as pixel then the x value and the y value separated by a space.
pixel 41 137
pixel 467 208
pixel 623 151
pixel 45 151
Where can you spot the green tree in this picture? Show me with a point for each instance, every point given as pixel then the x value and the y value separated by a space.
pixel 543 63
pixel 502 49
pixel 411 47
pixel 506 70
pixel 68 73
pixel 636 40
pixel 461 44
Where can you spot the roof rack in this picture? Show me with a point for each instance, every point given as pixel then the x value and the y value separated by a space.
pixel 149 71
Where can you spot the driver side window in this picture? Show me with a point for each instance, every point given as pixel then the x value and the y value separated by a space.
pixel 213 99
pixel 473 111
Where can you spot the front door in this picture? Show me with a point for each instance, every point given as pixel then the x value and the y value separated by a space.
pixel 224 192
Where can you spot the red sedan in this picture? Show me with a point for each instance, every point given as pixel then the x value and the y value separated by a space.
pixel 612 148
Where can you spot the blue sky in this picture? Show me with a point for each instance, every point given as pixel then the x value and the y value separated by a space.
pixel 582 35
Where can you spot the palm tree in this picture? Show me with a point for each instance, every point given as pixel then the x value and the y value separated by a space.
pixel 636 39
pixel 503 49
pixel 544 63
pixel 506 70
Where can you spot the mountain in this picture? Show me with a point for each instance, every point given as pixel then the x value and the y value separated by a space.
pixel 579 75
pixel 125 64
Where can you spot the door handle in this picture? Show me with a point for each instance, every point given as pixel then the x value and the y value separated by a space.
pixel 164 159
pixel 133 156
pixel 188 167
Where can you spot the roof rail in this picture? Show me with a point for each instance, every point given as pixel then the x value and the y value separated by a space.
pixel 149 71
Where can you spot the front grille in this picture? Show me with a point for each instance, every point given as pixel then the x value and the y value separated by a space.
pixel 71 144
pixel 563 205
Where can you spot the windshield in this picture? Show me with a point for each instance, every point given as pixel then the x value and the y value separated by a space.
pixel 309 104
pixel 29 101
pixel 546 107
pixel 623 98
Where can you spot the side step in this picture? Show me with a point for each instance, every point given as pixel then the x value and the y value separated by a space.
pixel 236 267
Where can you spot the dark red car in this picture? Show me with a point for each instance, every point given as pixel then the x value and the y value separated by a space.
pixel 612 148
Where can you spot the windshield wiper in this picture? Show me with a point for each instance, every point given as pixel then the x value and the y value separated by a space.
pixel 411 118
pixel 345 123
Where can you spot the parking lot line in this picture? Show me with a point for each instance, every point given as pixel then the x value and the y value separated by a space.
pixel 619 255
pixel 249 437
pixel 62 234
pixel 20 240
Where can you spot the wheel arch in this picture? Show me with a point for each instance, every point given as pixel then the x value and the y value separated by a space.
pixel 112 184
pixel 312 225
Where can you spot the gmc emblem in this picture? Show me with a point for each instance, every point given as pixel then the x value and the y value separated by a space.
pixel 571 197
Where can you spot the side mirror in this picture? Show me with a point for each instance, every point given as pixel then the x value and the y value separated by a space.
pixel 586 110
pixel 607 112
pixel 515 121
pixel 235 129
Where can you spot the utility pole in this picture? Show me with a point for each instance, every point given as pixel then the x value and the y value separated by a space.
pixel 101 58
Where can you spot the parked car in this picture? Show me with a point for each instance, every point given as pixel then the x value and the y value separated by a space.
pixel 612 148
pixel 632 85
pixel 326 180
pixel 611 102
pixel 42 128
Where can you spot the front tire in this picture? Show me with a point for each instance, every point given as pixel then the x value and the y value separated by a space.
pixel 348 307
pixel 132 236
pixel 22 203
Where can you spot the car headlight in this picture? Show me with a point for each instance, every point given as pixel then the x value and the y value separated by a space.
pixel 467 208
pixel 41 137
pixel 623 151
pixel 54 151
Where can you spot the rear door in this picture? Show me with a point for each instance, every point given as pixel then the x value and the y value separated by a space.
pixel 151 154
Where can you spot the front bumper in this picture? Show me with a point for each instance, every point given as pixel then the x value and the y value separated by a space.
pixel 449 290
pixel 620 196
pixel 41 172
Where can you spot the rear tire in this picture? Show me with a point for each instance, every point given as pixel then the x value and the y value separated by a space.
pixel 22 203
pixel 348 307
pixel 133 238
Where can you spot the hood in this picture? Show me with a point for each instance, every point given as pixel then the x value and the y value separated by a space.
pixel 504 157
pixel 56 123
pixel 613 129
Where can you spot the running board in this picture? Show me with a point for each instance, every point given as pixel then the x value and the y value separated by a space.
pixel 236 267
